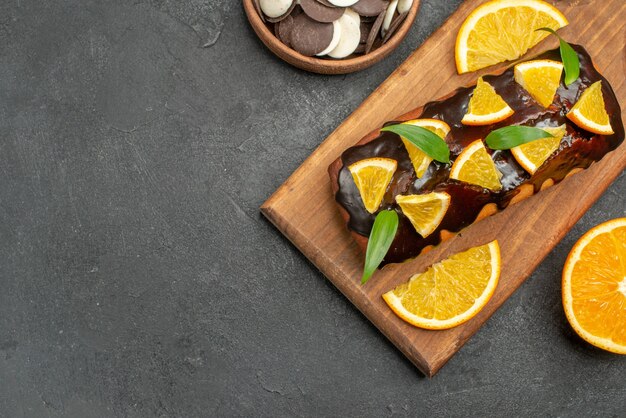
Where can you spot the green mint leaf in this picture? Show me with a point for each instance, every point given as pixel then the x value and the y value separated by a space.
pixel 430 143
pixel 512 136
pixel 381 237
pixel 571 63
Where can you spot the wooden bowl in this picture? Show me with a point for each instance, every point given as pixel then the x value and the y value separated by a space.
pixel 322 65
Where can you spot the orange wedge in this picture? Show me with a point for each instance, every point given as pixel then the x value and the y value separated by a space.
pixel 594 286
pixel 533 154
pixel 589 112
pixel 450 292
pixel 372 176
pixel 425 211
pixel 475 166
pixel 486 106
pixel 419 159
pixel 503 30
pixel 540 78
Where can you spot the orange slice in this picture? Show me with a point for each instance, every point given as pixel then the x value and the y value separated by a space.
pixel 589 112
pixel 420 160
pixel 486 106
pixel 533 154
pixel 594 286
pixel 372 176
pixel 425 211
pixel 474 165
pixel 450 292
pixel 503 30
pixel 540 78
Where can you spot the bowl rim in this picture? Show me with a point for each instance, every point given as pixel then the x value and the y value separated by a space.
pixel 327 66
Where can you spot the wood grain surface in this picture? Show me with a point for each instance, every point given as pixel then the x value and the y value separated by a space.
pixel 304 209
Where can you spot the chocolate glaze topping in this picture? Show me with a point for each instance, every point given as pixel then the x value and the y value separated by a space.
pixel 578 149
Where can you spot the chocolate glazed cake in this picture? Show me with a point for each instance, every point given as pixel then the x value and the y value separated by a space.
pixel 470 203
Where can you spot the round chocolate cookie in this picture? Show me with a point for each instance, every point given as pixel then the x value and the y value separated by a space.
pixel 378 23
pixel 284 28
pixel 310 37
pixel 336 38
pixel 370 7
pixel 389 14
pixel 274 9
pixel 404 6
pixel 317 11
pixel 284 15
pixel 350 35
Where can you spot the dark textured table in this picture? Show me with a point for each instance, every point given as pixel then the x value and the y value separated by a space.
pixel 137 277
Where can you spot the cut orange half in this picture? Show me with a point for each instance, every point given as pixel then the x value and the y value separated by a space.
pixel 594 286
pixel 425 211
pixel 419 159
pixel 589 112
pixel 486 106
pixel 372 176
pixel 533 154
pixel 540 78
pixel 450 292
pixel 475 166
pixel 503 30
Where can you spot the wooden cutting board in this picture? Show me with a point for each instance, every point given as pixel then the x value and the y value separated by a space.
pixel 303 208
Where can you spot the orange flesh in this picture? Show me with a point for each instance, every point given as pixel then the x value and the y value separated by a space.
pixel 598 284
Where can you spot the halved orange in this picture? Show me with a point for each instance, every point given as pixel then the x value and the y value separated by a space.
pixel 486 106
pixel 450 292
pixel 594 286
pixel 475 166
pixel 425 211
pixel 540 78
pixel 589 112
pixel 372 176
pixel 503 30
pixel 419 159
